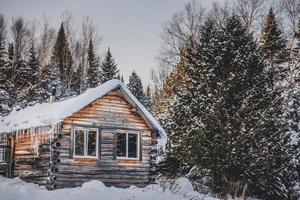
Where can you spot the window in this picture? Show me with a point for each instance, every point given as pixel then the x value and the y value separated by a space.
pixel 2 155
pixel 128 145
pixel 86 142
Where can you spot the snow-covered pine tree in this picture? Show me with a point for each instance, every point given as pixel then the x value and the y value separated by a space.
pixel 10 54
pixel 225 120
pixel 291 111
pixel 93 67
pixel 77 84
pixel 272 42
pixel 31 95
pixel 175 80
pixel 27 79
pixel 147 98
pixel 108 68
pixel 136 87
pixel 62 60
pixel 273 50
pixel 5 85
pixel 33 65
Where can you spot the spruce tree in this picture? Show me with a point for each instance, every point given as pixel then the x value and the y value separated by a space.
pixel 93 68
pixel 5 85
pixel 77 82
pixel 27 73
pixel 10 52
pixel 5 105
pixel 224 121
pixel 32 75
pixel 291 114
pixel 136 87
pixel 61 60
pixel 3 56
pixel 108 68
pixel 147 99
pixel 33 65
pixel 272 42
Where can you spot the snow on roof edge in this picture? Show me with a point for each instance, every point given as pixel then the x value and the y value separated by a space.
pixel 50 113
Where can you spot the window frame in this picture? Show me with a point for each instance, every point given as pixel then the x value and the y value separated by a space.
pixel 85 142
pixel 3 155
pixel 138 146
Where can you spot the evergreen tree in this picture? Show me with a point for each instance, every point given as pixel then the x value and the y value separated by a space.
pixel 3 56
pixel 46 79
pixel 27 73
pixel 62 60
pixel 108 68
pixel 5 86
pixel 10 52
pixel 272 43
pixel 9 72
pixel 30 96
pixel 291 113
pixel 77 82
pixel 136 87
pixel 93 68
pixel 5 105
pixel 225 120
pixel 147 99
pixel 33 65
pixel 175 80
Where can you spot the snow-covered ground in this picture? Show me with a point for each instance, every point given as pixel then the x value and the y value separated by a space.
pixel 16 189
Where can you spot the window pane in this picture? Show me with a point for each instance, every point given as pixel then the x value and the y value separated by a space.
pixel 121 144
pixel 2 152
pixel 79 142
pixel 92 140
pixel 132 145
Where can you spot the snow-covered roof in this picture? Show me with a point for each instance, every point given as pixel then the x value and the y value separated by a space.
pixel 51 113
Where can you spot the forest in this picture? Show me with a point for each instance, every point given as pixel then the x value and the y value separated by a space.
pixel 226 89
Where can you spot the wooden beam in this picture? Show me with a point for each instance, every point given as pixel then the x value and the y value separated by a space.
pixel 12 157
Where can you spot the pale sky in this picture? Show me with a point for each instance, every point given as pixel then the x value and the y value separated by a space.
pixel 131 28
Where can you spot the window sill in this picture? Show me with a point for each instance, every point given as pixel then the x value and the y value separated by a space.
pixel 85 157
pixel 125 158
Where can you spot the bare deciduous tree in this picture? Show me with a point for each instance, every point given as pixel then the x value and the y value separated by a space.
pixel 46 42
pixel 250 11
pixel 292 13
pixel 20 35
pixel 88 31
pixel 182 26
pixel 220 12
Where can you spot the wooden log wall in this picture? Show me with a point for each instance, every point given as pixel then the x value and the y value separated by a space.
pixel 31 159
pixel 109 114
pixel 5 151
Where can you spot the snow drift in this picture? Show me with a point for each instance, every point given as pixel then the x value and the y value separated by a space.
pixel 16 189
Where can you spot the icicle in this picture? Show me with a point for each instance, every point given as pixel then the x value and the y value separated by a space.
pixel 17 136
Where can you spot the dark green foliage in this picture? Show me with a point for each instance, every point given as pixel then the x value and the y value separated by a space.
pixel 171 166
pixel 93 67
pixel 136 87
pixel 148 99
pixel 108 68
pixel 225 121
pixel 33 65
pixel 272 42
pixel 61 63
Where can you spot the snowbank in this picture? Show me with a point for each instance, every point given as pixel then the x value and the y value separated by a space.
pixel 16 189
pixel 51 113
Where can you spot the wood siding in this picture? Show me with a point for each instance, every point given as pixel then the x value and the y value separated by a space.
pixel 109 114
pixel 31 156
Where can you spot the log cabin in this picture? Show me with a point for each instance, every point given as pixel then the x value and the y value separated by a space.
pixel 104 134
